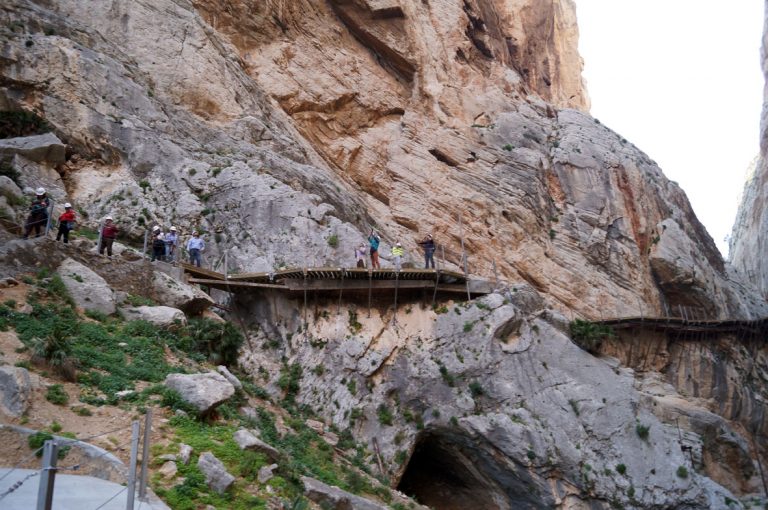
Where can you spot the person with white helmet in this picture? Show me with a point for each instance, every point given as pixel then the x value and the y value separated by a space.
pixel 158 244
pixel 171 241
pixel 66 223
pixel 397 255
pixel 108 236
pixel 38 214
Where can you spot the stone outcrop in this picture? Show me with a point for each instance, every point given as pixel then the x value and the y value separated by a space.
pixel 45 148
pixel 216 475
pixel 495 394
pixel 162 316
pixel 333 497
pixel 203 391
pixel 89 290
pixel 15 389
pixel 247 440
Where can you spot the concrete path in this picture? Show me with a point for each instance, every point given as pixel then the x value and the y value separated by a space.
pixel 71 492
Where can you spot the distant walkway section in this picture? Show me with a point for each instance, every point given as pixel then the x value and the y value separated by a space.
pixel 693 328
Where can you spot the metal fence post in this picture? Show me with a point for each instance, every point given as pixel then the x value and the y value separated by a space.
pixel 48 223
pixel 132 467
pixel 144 250
pixel 145 455
pixel 48 475
pixel 98 243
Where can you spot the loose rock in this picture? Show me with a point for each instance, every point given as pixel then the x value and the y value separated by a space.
pixel 336 498
pixel 216 475
pixel 204 391
pixel 89 290
pixel 230 377
pixel 15 390
pixel 246 440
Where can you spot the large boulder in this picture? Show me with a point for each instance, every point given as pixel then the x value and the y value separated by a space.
pixel 9 189
pixel 45 148
pixel 333 497
pixel 89 290
pixel 179 295
pixel 229 376
pixel 204 391
pixel 216 475
pixel 247 440
pixel 15 389
pixel 163 316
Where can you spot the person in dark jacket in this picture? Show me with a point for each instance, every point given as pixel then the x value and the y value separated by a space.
pixel 158 244
pixel 428 245
pixel 38 214
pixel 108 236
pixel 66 222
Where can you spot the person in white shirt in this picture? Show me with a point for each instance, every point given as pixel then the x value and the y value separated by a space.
pixel 195 247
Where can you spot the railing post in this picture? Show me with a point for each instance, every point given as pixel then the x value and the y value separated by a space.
pixel 145 455
pixel 48 475
pixel 98 243
pixel 48 223
pixel 144 250
pixel 132 467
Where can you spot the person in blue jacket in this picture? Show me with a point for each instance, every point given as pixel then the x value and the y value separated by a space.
pixel 374 241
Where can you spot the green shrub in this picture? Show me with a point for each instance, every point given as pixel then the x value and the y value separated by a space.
pixel 56 395
pixel 682 472
pixel 290 381
pixel 642 431
pixel 37 441
pixel 447 376
pixel 134 300
pixel 468 326
pixel 21 123
pixel 621 469
pixel 220 342
pixel 96 315
pixel 384 414
pixel 588 335
pixel 476 389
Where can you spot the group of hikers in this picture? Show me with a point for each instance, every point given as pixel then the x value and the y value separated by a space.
pixel 164 245
pixel 374 241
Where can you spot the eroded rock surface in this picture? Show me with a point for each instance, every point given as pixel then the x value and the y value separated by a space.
pixel 203 391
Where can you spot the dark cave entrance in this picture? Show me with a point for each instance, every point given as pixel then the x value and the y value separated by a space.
pixel 440 475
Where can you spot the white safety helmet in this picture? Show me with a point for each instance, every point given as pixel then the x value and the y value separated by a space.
pixel 108 218
pixel 155 228
pixel 173 229
pixel 67 206
pixel 40 191
pixel 398 244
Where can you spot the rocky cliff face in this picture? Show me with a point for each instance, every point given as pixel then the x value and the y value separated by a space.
pixel 749 238
pixel 286 130
pixel 276 126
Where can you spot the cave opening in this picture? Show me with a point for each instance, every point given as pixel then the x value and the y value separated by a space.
pixel 442 477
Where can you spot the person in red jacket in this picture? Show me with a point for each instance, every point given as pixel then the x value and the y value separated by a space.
pixel 66 223
pixel 108 235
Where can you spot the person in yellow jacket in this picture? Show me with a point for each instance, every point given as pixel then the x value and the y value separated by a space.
pixel 397 255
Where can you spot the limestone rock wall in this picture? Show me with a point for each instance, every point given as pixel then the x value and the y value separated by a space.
pixel 749 237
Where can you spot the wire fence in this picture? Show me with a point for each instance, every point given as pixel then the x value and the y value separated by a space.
pixel 49 468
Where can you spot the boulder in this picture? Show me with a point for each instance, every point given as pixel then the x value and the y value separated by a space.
pixel 230 377
pixel 204 391
pixel 216 475
pixel 179 295
pixel 315 425
pixel 9 189
pixel 45 148
pixel 333 497
pixel 88 289
pixel 265 473
pixel 168 470
pixel 246 440
pixel 33 175
pixel 163 316
pixel 185 452
pixel 15 388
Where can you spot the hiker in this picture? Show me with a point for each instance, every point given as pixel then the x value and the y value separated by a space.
pixel 38 214
pixel 360 255
pixel 108 236
pixel 158 244
pixel 397 255
pixel 66 223
pixel 171 242
pixel 374 240
pixel 195 247
pixel 429 251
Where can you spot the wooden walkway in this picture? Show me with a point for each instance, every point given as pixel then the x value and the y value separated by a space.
pixel 757 328
pixel 336 278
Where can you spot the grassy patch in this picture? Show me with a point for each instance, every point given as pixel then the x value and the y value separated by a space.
pixel 588 335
